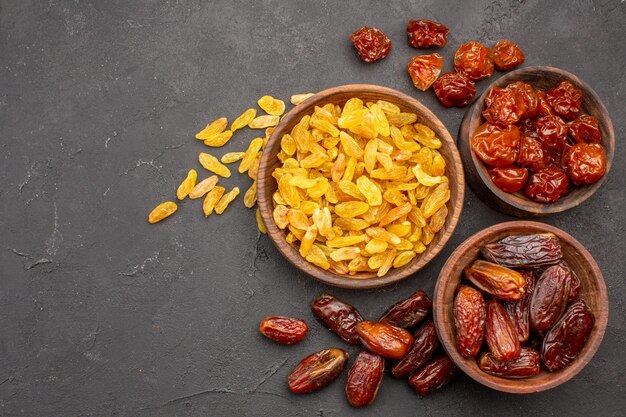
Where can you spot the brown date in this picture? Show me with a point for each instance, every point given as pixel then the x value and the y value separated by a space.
pixel 500 334
pixel 435 374
pixel 568 336
pixel 527 364
pixel 519 311
pixel 317 370
pixel 283 330
pixel 384 339
pixel 574 287
pixel 497 280
pixel 407 313
pixel 469 320
pixel 550 297
pixel 364 379
pixel 425 342
pixel 524 251
pixel 340 318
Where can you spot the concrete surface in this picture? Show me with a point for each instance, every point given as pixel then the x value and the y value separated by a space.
pixel 102 314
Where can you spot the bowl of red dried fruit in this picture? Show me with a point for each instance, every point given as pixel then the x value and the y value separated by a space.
pixel 521 307
pixel 538 141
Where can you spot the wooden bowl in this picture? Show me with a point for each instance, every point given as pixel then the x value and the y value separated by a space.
pixel 517 204
pixel 592 291
pixel 339 95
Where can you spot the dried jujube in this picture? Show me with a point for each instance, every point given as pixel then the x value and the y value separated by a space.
pixel 424 33
pixel 586 163
pixel 566 99
pixel 585 128
pixel 507 55
pixel 475 60
pixel 548 185
pixel 495 145
pixel 424 70
pixel 510 178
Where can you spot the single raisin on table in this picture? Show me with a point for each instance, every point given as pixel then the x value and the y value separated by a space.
pixel 495 145
pixel 527 364
pixel 424 70
pixel 317 370
pixel 454 89
pixel 371 43
pixel 425 342
pixel 283 330
pixel 340 318
pixel 407 313
pixel 384 339
pixel 548 185
pixel 507 55
pixel 497 280
pixel 550 297
pixel 364 379
pixel 567 337
pixel 524 251
pixel 519 311
pixel 469 320
pixel 510 178
pixel 586 163
pixel 585 128
pixel 426 33
pixel 435 374
pixel 475 60
pixel 500 333
pixel 565 98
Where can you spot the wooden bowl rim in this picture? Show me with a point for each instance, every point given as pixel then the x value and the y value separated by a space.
pixel 559 377
pixel 516 200
pixel 394 275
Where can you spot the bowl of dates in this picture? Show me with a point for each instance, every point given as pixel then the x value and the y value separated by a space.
pixel 521 307
pixel 538 141
pixel 360 186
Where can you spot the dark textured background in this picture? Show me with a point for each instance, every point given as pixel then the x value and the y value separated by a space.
pixel 103 314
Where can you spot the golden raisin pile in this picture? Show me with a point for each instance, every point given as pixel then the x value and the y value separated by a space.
pixel 362 188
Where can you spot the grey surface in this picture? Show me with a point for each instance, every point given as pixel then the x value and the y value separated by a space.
pixel 102 314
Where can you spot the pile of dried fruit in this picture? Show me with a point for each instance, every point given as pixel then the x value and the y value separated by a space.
pixel 473 61
pixel 215 135
pixel 363 187
pixel 417 355
pixel 527 144
pixel 534 316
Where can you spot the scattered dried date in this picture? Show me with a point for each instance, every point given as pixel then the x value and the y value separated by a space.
pixel 384 339
pixel 340 318
pixel 425 342
pixel 435 374
pixel 407 313
pixel 364 379
pixel 317 370
pixel 283 330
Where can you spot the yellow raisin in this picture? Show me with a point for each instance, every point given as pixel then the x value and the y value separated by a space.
pixel 249 198
pixel 382 234
pixel 395 197
pixel 351 224
pixel 323 220
pixel 299 98
pixel 314 160
pixel 250 155
pixel 424 178
pixel 381 123
pixel 400 229
pixel 419 247
pixel 358 264
pixel 212 129
pixel 231 157
pixel 308 207
pixel 351 189
pixel 288 144
pixel 369 189
pixel 261 122
pixel 369 154
pixel 351 209
pixel 343 241
pixel 387 263
pixel 317 257
pixel 271 105
pixel 350 146
pixel 162 211
pixel 307 241
pixel 427 235
pixel 348 173
pixel 210 163
pixel 376 246
pixel 187 185
pixel 280 216
pixel 396 213
pixel 435 200
pixel 376 261
pixel 401 119
pixel 243 120
pixel 388 107
pixel 403 258
pixel 203 187
pixel 438 219
pixel 345 254
pixel 259 222
pixel 298 219
pixel 226 200
pixel 212 199
pixel 424 130
pixel 219 140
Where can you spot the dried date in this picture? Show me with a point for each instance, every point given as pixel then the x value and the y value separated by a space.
pixel 407 313
pixel 283 330
pixel 550 297
pixel 317 370
pixel 469 320
pixel 435 374
pixel 519 311
pixel 340 318
pixel 364 379
pixel 497 280
pixel 425 342
pixel 384 339
pixel 567 338
pixel 500 334
pixel 527 364
pixel 524 251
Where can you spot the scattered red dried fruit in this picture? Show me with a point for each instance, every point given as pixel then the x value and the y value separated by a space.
pixel 495 145
pixel 425 343
pixel 510 178
pixel 426 33
pixel 364 379
pixel 548 185
pixel 454 89
pixel 371 43
pixel 283 330
pixel 475 60
pixel 436 374
pixel 507 55
pixel 586 163
pixel 317 370
pixel 407 313
pixel 424 70
pixel 384 339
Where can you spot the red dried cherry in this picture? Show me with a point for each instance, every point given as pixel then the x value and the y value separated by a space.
pixel 510 178
pixel 586 163
pixel 426 33
pixel 495 145
pixel 548 185
pixel 529 95
pixel 454 89
pixel 543 107
pixel 585 129
pixel 551 130
pixel 507 55
pixel 424 70
pixel 504 106
pixel 532 153
pixel 371 43
pixel 474 59
pixel 565 99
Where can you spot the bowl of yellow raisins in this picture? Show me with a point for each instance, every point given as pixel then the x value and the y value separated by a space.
pixel 360 186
